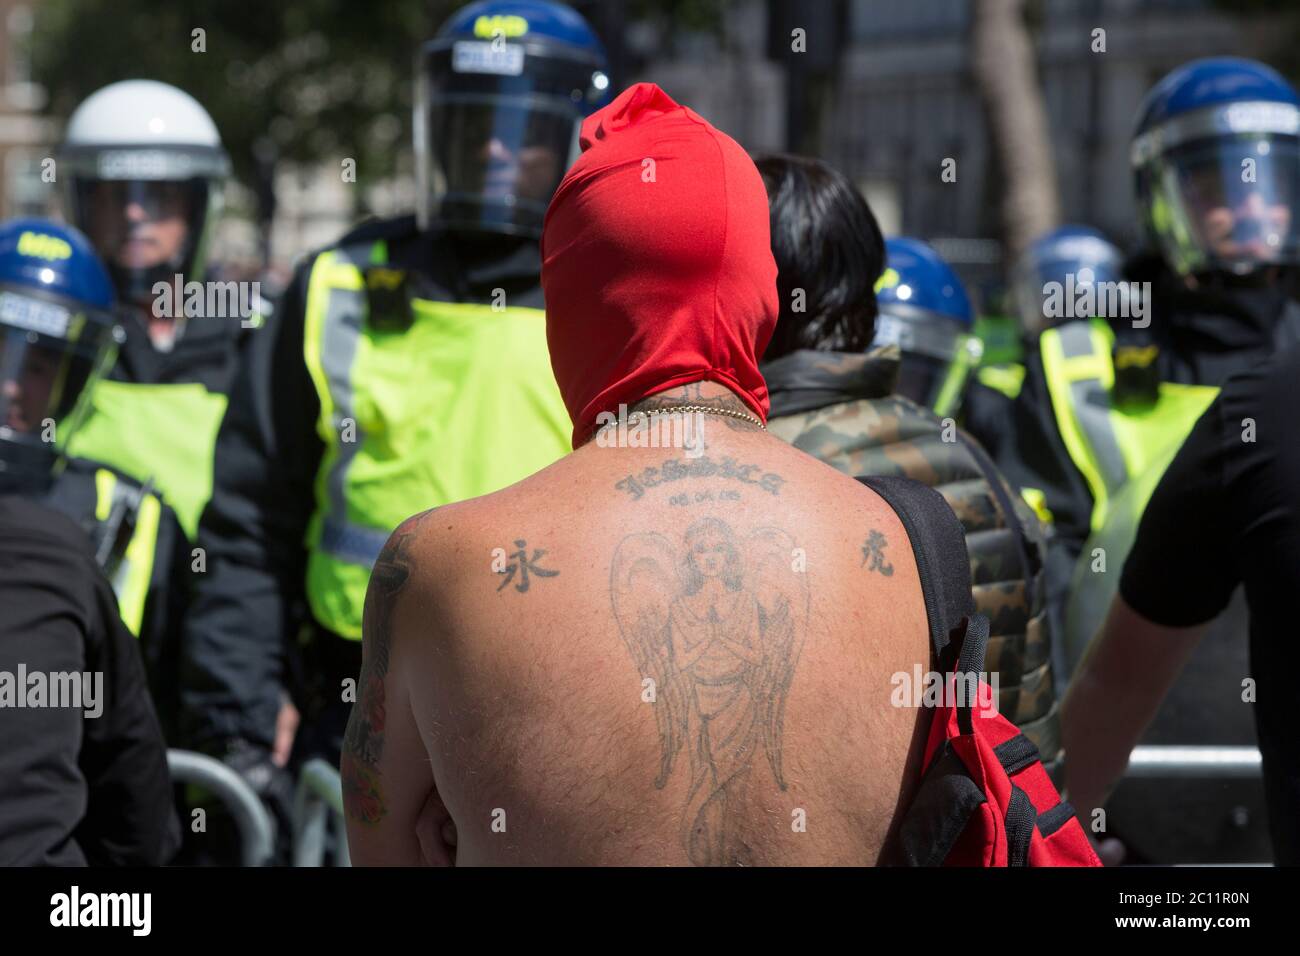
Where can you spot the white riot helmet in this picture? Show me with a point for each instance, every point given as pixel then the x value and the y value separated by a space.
pixel 144 169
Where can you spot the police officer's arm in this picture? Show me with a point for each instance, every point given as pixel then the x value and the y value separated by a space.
pixel 394 814
pixel 42 790
pixel 1115 694
pixel 130 815
pixel 251 536
pixel 1170 590
pixel 85 779
pixel 41 786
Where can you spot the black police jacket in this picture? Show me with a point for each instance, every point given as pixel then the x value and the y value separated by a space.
pixel 76 786
pixel 239 649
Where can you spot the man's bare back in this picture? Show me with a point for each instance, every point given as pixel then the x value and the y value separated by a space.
pixel 649 656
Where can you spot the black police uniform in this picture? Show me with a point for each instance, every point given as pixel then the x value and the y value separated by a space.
pixel 74 789
pixel 75 493
pixel 1227 512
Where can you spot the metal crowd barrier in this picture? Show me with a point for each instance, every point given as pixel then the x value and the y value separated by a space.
pixel 318 824
pixel 318 816
pixel 256 828
pixel 1183 762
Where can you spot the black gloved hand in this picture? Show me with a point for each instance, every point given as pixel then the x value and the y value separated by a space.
pixel 272 783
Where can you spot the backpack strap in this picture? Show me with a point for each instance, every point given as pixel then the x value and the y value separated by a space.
pixel 958 635
pixel 958 817
pixel 939 546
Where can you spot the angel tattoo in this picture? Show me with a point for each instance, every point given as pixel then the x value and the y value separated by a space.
pixel 719 630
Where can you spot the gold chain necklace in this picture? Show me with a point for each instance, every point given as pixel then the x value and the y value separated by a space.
pixel 700 409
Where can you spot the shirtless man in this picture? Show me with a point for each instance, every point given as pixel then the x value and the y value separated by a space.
pixel 645 655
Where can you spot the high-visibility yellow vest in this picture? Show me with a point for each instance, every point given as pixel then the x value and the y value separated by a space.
pixel 164 434
pixel 460 403
pixel 1007 379
pixel 1122 453
pixel 1111 444
pixel 134 571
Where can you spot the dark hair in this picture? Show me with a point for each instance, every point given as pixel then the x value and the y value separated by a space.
pixel 827 243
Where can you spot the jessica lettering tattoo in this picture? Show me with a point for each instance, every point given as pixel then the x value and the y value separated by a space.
pixel 703 467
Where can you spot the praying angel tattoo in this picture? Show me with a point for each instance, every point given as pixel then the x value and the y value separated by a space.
pixel 718 627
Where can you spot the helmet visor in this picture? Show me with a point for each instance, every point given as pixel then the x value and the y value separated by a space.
pixel 496 126
pixel 146 231
pixel 1046 287
pixel 495 162
pixel 936 356
pixel 48 356
pixel 1227 204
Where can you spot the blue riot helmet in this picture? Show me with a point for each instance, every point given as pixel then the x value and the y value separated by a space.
pixel 924 310
pixel 501 94
pixel 1065 273
pixel 57 335
pixel 1216 157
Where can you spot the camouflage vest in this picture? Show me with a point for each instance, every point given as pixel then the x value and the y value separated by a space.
pixel 838 408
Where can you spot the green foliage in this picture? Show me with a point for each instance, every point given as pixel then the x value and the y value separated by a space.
pixel 301 80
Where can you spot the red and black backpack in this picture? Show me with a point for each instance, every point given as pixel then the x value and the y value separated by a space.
pixel 984 798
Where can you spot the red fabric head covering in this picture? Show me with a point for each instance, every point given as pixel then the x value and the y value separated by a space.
pixel 656 261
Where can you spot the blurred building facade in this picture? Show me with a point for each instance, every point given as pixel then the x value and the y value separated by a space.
pixel 25 135
pixel 904 101
pixel 907 102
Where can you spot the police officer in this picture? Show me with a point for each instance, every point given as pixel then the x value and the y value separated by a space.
pixel 135 536
pixel 924 310
pixel 1115 386
pixel 144 169
pixel 1060 267
pixel 1108 398
pixel 865 412
pixel 1070 259
pixel 83 780
pixel 406 367
pixel 1243 495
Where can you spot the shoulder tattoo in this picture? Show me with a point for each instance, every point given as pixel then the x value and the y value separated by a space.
pixel 363 744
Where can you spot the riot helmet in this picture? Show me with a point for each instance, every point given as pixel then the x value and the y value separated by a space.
pixel 501 94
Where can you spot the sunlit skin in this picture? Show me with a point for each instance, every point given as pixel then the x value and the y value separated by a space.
pixel 26 398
